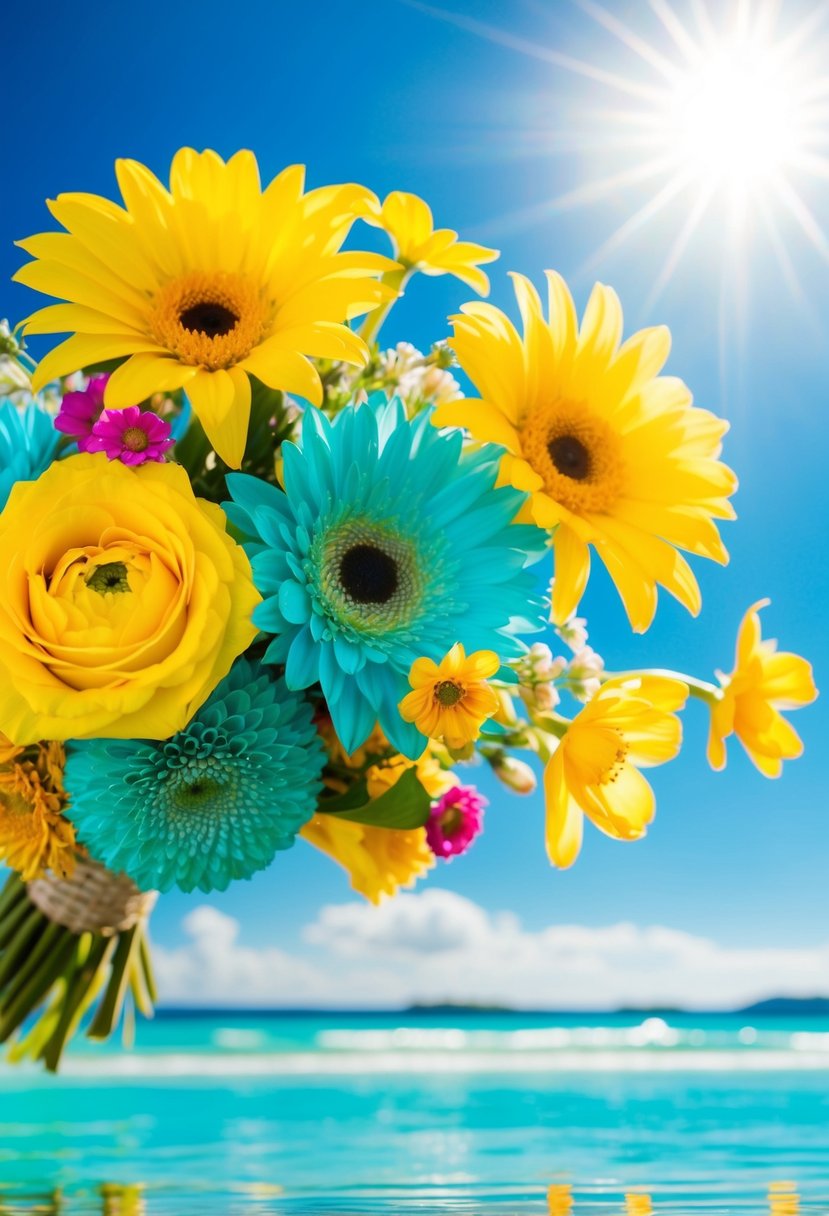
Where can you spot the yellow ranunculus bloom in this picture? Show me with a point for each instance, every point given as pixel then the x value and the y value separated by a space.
pixel 202 285
pixel 612 454
pixel 628 725
pixel 378 860
pixel 124 602
pixel 451 700
pixel 763 682
pixel 418 245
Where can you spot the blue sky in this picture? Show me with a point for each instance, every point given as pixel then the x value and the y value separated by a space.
pixel 387 94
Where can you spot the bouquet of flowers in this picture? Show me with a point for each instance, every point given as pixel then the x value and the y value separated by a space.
pixel 264 579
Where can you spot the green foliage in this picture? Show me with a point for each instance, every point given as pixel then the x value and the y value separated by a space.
pixel 404 806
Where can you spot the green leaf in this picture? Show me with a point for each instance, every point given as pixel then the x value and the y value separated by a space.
pixel 404 806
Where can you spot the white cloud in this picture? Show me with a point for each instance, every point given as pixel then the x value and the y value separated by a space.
pixel 215 969
pixel 437 945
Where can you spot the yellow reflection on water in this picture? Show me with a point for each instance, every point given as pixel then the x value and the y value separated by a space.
pixel 783 1199
pixel 560 1199
pixel 638 1203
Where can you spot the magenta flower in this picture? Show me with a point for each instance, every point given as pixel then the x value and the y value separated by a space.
pixel 80 411
pixel 455 820
pixel 130 436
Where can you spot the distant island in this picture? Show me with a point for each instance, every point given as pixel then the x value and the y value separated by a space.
pixel 780 1006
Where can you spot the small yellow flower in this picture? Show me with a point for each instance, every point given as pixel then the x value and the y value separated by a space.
pixel 378 860
pixel 763 682
pixel 418 245
pixel 451 700
pixel 628 725
pixel 34 835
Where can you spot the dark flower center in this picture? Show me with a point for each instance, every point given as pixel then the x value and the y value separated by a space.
pixel 212 319
pixel 448 692
pixel 570 456
pixel 368 575
pixel 110 577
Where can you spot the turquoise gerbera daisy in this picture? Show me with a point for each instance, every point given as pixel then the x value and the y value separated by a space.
pixel 210 805
pixel 28 445
pixel 389 543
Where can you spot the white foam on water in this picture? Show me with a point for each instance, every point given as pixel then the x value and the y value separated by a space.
pixel 148 1066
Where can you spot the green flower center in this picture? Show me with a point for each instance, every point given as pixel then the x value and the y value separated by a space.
pixel 447 692
pixel 110 577
pixel 451 821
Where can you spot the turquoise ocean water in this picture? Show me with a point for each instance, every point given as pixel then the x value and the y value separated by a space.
pixel 438 1113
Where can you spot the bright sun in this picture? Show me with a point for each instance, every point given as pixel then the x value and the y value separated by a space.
pixel 700 110
pixel 735 119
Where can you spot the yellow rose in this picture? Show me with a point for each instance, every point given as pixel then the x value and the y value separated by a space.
pixel 123 602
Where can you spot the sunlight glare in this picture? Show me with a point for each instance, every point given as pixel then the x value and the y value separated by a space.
pixel 733 118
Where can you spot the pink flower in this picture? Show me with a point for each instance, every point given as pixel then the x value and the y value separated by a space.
pixel 130 436
pixel 80 411
pixel 455 820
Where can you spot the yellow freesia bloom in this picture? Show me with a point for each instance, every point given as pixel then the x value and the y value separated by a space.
pixel 612 454
pixel 124 604
pixel 628 725
pixel 418 245
pixel 204 284
pixel 34 835
pixel 378 860
pixel 451 700
pixel 763 682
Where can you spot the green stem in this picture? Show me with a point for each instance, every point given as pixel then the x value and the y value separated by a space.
pixel 375 320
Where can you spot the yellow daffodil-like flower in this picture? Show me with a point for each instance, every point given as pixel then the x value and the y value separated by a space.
pixel 612 454
pixel 763 682
pixel 418 245
pixel 451 700
pixel 203 284
pixel 629 724
pixel 34 835
pixel 124 602
pixel 378 860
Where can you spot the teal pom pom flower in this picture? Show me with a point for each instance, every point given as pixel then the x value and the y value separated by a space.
pixel 215 802
pixel 28 445
pixel 390 542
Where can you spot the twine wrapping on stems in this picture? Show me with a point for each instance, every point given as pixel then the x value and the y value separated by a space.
pixel 93 900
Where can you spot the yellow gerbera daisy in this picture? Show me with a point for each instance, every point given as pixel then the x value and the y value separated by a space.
pixel 203 284
pixel 763 682
pixel 34 834
pixel 418 245
pixel 378 860
pixel 451 700
pixel 628 725
pixel 612 454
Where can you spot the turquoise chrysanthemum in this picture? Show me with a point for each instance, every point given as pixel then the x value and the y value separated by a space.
pixel 390 542
pixel 28 444
pixel 210 805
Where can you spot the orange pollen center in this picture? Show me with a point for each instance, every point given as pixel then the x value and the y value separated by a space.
pixel 576 453
pixel 135 439
pixel 211 319
pixel 448 693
